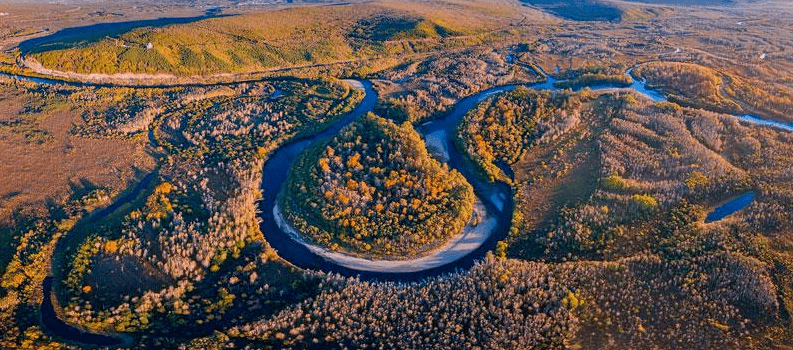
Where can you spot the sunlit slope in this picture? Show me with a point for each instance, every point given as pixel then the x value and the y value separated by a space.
pixel 282 38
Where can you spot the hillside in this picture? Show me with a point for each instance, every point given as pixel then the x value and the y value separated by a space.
pixel 279 38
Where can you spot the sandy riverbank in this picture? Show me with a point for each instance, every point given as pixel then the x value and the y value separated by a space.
pixel 458 246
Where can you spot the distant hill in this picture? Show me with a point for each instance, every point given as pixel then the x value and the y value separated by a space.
pixel 605 10
pixel 269 39
pixel 692 2
pixel 578 10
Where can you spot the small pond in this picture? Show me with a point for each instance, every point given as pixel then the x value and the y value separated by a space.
pixel 730 207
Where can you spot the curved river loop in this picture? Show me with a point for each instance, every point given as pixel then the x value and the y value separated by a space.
pixel 494 204
pixel 494 200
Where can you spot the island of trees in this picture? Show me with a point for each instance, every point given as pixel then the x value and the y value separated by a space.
pixel 373 190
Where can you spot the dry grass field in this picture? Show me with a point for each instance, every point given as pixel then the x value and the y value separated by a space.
pixel 43 162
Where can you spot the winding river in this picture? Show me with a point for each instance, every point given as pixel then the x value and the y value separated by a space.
pixel 494 200
pixel 494 204
pixel 49 316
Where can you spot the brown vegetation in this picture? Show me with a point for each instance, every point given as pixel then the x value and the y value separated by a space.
pixel 44 161
pixel 608 247
pixel 425 89
pixel 698 86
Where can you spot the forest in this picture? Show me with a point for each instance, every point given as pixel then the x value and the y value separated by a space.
pixel 177 231
pixel 373 190
pixel 425 89
pixel 612 75
pixel 499 131
pixel 698 86
pixel 134 176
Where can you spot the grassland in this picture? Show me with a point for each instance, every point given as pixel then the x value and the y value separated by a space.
pixel 44 161
pixel 280 38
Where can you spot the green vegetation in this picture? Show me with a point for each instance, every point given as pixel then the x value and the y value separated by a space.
pixel 614 182
pixel 641 13
pixel 644 202
pixel 374 190
pixel 501 129
pixel 232 44
pixel 607 246
pixel 383 27
pixel 274 39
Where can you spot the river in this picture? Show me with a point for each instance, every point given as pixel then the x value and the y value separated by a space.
pixel 495 198
pixel 48 314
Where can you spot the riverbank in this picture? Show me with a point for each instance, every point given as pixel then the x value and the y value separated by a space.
pixel 458 246
pixel 437 134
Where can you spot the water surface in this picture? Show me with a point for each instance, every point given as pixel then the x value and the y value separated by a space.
pixel 729 208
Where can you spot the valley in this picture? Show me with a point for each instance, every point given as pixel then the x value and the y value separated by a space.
pixel 390 174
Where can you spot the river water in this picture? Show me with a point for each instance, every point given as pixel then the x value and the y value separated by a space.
pixel 439 134
pixel 496 197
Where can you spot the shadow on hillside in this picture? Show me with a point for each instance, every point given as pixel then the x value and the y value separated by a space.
pixel 77 36
pixel 578 10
